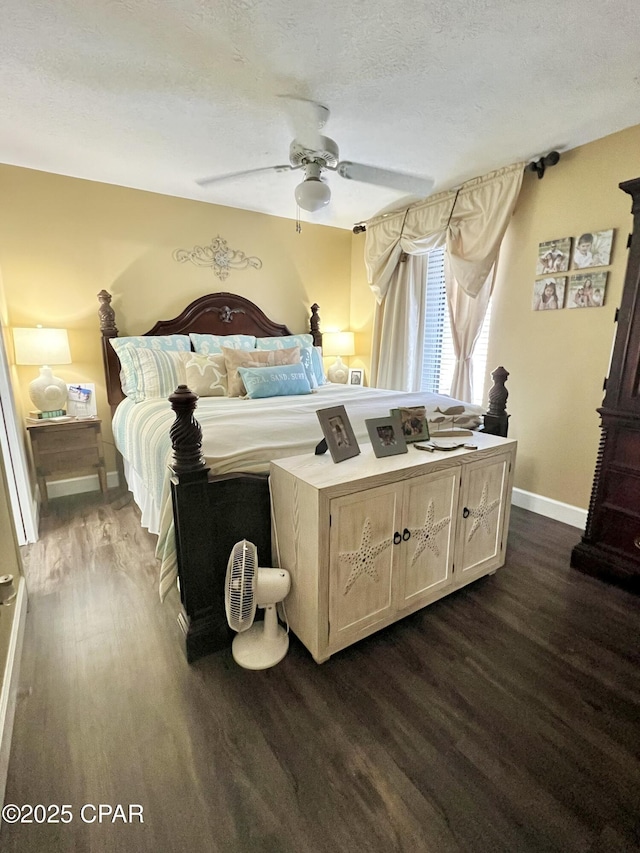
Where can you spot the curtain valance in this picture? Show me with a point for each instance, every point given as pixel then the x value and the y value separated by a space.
pixel 470 220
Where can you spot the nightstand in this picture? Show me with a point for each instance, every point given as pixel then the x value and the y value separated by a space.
pixel 64 449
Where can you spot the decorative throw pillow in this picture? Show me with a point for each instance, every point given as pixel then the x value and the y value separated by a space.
pixel 306 359
pixel 318 366
pixel 206 375
pixel 284 342
pixel 210 344
pixel 154 373
pixel 235 358
pixel 124 346
pixel 279 381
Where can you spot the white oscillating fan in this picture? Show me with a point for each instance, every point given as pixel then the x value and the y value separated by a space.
pixel 263 644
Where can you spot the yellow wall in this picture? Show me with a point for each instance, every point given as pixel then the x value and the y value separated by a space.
pixel 62 240
pixel 558 359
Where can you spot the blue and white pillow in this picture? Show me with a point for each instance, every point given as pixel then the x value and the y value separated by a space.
pixel 306 359
pixel 155 373
pixel 285 342
pixel 156 343
pixel 278 381
pixel 318 366
pixel 212 344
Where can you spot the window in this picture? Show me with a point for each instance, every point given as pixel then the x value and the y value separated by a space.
pixel 439 359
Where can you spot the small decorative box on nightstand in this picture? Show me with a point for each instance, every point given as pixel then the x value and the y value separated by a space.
pixel 67 449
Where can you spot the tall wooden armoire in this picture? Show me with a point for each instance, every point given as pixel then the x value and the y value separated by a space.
pixel 610 547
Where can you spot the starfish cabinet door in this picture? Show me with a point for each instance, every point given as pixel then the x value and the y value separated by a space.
pixel 362 557
pixel 429 524
pixel 481 538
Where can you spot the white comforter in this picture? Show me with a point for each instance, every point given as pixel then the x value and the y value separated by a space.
pixel 241 435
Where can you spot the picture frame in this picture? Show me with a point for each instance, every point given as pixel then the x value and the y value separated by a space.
pixel 592 249
pixel 414 422
pixel 356 376
pixel 548 293
pixel 553 256
pixel 386 436
pixel 587 290
pixel 338 433
pixel 81 400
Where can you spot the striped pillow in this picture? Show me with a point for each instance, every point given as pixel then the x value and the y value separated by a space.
pixel 152 374
pixel 124 346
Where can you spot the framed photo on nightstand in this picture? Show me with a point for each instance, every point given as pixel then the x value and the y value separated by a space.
pixel 356 376
pixel 81 400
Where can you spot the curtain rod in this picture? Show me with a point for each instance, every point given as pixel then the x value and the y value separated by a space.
pixel 537 166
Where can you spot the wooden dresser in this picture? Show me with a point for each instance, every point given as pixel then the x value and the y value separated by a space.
pixel 610 547
pixel 371 540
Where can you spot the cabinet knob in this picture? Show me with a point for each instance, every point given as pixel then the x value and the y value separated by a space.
pixel 397 538
pixel 465 512
pixel 406 534
pixel 636 541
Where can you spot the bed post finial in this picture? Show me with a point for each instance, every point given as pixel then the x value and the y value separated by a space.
pixel 496 421
pixel 107 316
pixel 314 323
pixel 186 434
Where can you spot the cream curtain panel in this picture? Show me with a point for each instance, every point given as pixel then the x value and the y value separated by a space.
pixel 394 323
pixel 471 222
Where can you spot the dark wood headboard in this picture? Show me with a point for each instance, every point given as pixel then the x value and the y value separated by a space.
pixel 213 314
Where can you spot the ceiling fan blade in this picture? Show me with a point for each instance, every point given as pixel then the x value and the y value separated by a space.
pixel 413 184
pixel 205 182
pixel 307 118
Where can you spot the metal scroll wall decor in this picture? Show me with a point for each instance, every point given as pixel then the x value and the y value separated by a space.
pixel 218 256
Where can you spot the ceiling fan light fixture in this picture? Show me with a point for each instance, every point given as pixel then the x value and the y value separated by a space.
pixel 312 194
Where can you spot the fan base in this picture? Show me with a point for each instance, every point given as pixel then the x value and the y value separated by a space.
pixel 253 650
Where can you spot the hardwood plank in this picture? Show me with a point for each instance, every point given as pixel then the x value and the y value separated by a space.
pixel 505 717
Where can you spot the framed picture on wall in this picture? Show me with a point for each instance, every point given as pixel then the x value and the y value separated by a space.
pixel 587 290
pixel 553 256
pixel 592 249
pixel 548 293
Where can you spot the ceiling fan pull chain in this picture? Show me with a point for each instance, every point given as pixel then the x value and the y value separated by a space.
pixel 298 225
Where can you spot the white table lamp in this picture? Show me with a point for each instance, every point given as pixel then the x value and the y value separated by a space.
pixel 338 344
pixel 44 347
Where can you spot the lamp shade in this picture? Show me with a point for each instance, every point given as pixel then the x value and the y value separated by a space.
pixel 338 343
pixel 312 194
pixel 41 346
pixel 44 347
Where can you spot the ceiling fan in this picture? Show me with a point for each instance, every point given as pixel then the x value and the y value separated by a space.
pixel 316 154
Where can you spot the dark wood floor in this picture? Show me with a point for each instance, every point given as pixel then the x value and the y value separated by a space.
pixel 503 718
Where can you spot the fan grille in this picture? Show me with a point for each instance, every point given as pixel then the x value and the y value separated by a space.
pixel 241 574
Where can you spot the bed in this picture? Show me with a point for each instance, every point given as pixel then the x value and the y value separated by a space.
pixel 202 484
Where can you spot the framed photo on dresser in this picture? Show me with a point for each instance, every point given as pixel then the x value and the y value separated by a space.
pixel 338 433
pixel 386 435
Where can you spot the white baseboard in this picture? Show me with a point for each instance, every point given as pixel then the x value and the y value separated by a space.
pixel 9 692
pixel 77 485
pixel 568 514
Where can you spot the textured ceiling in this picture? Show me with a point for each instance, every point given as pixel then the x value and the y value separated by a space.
pixel 156 94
